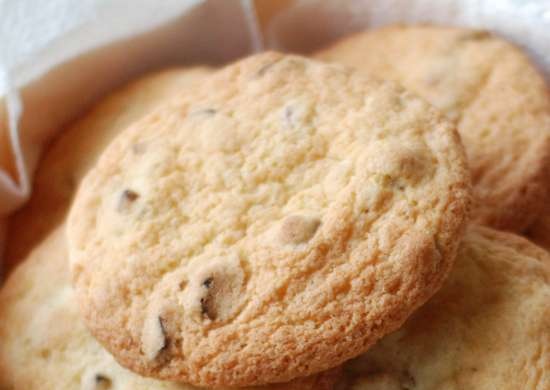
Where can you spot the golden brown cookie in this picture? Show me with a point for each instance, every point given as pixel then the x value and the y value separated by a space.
pixel 487 328
pixel 75 151
pixel 45 345
pixel 489 87
pixel 273 225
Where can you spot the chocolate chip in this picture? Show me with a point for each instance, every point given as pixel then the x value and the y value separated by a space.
pixel 130 195
pixel 126 199
pixel 208 282
pixel 205 112
pixel 209 111
pixel 163 331
pixel 96 381
pixel 207 309
pixel 102 382
pixel 298 229
pixel 215 291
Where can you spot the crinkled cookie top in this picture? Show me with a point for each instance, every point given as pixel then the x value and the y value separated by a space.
pixel 271 225
pixel 497 97
pixel 487 328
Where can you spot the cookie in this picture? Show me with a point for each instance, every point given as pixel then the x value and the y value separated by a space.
pixel 540 231
pixel 487 328
pixel 489 87
pixel 45 345
pixel 273 225
pixel 75 151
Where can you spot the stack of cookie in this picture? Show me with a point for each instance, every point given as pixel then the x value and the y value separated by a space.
pixel 349 221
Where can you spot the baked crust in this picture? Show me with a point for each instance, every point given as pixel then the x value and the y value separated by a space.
pixel 271 225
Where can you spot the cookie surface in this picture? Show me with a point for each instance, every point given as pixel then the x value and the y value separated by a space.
pixel 45 345
pixel 498 99
pixel 487 328
pixel 272 226
pixel 72 154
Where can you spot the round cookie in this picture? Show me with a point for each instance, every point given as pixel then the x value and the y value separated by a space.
pixel 45 345
pixel 273 225
pixel 489 87
pixel 76 150
pixel 487 328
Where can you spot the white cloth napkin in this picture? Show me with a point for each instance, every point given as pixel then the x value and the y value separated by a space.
pixel 58 56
